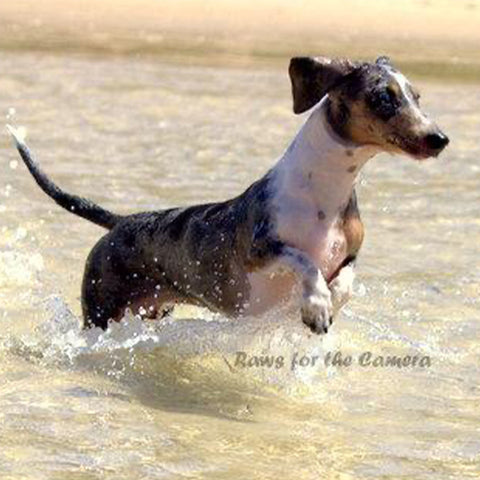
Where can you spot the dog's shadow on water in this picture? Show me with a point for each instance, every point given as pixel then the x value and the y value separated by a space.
pixel 172 377
pixel 196 385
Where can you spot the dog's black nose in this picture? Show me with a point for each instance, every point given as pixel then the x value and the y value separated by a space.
pixel 436 141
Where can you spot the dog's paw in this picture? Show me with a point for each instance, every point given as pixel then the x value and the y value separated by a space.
pixel 317 311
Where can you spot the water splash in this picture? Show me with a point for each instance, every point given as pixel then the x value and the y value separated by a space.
pixel 201 342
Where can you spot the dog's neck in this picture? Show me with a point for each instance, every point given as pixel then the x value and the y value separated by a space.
pixel 320 167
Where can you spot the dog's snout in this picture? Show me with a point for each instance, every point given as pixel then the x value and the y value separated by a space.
pixel 436 141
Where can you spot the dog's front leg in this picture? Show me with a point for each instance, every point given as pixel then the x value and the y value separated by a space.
pixel 316 308
pixel 341 287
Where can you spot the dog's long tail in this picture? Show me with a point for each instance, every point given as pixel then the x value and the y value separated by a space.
pixel 79 206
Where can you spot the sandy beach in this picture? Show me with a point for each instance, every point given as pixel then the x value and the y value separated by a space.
pixel 429 37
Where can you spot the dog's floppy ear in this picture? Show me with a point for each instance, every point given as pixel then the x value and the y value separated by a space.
pixel 312 78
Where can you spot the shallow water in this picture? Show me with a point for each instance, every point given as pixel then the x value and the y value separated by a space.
pixel 167 399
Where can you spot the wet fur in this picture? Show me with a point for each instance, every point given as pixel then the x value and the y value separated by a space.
pixel 199 255
pixel 220 255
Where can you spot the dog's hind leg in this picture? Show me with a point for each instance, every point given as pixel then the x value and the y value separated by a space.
pixel 109 287
pixel 97 313
pixel 103 302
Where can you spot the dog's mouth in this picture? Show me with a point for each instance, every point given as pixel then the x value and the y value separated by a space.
pixel 431 145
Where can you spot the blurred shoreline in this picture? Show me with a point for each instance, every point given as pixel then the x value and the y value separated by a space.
pixel 427 38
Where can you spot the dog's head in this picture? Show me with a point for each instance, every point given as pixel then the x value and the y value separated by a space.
pixel 368 104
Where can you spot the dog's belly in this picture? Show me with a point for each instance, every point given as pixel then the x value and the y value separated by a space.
pixel 269 288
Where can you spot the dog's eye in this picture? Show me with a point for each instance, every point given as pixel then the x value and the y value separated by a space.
pixel 391 93
pixel 384 103
pixel 384 97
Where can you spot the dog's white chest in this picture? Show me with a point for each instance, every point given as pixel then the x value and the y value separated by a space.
pixel 325 246
pixel 311 188
pixel 317 234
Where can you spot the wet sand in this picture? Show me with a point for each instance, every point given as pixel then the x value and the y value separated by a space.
pixel 436 38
